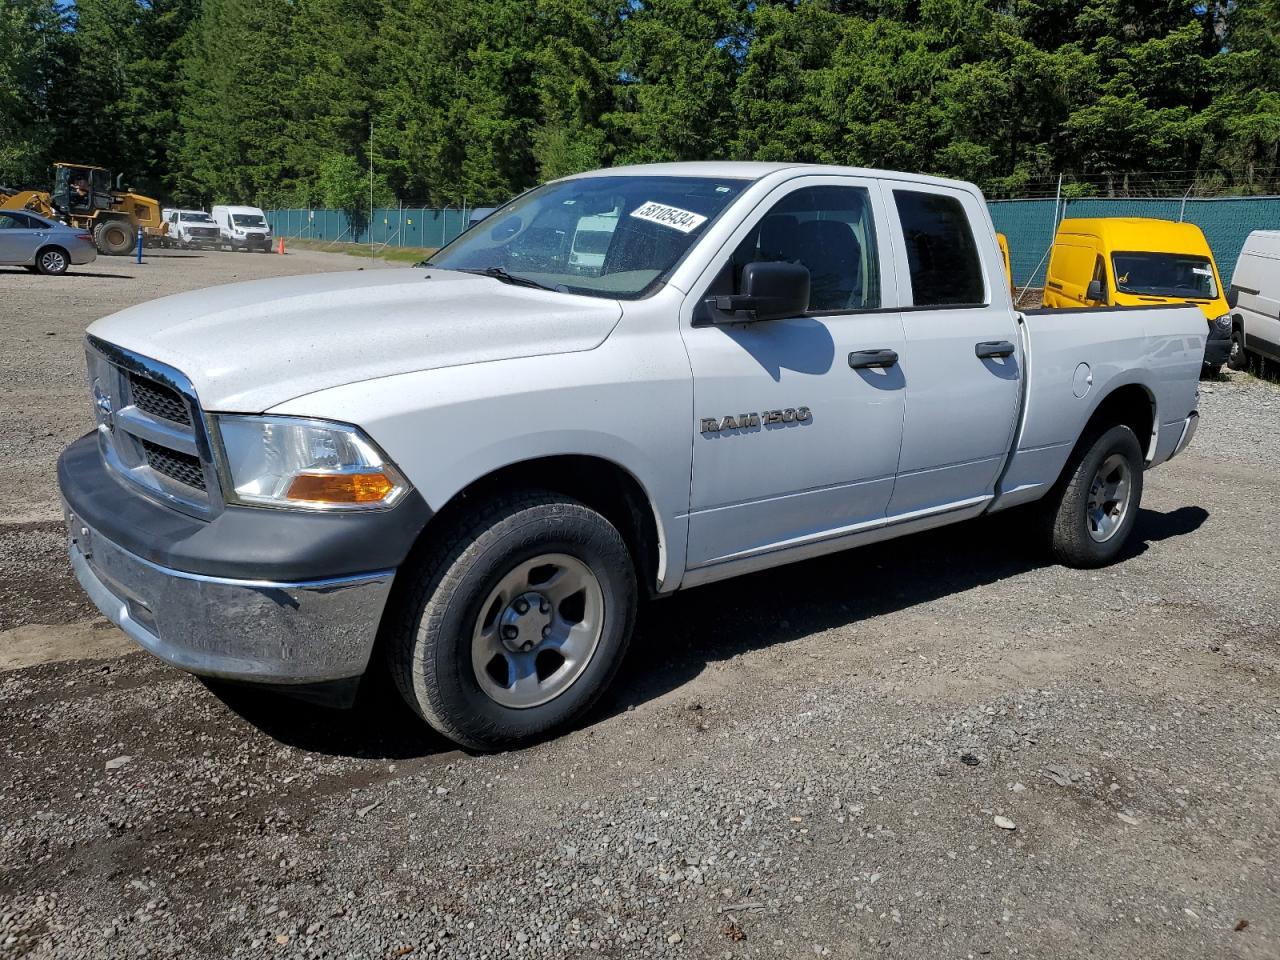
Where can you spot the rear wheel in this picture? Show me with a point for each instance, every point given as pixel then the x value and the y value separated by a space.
pixel 1237 359
pixel 114 237
pixel 513 628
pixel 52 261
pixel 1092 511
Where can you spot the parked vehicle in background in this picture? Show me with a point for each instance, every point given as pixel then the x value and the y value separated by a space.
pixel 1139 262
pixel 85 197
pixel 243 228
pixel 43 245
pixel 1255 300
pixel 591 241
pixel 191 228
pixel 485 462
pixel 1003 242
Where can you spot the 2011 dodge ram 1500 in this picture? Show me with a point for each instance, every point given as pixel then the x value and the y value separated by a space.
pixel 623 383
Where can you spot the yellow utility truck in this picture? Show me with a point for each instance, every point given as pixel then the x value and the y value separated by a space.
pixel 1139 262
pixel 84 196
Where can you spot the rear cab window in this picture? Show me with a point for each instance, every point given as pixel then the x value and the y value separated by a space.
pixel 942 255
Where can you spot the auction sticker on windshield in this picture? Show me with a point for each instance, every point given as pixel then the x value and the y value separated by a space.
pixel 685 221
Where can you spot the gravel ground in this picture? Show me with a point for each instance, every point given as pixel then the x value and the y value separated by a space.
pixel 941 747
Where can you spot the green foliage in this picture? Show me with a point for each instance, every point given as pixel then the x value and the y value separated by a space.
pixel 274 101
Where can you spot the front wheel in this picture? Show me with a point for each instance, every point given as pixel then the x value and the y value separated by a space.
pixel 512 629
pixel 1237 359
pixel 114 237
pixel 1092 511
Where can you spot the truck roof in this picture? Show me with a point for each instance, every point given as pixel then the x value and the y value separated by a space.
pixel 1140 233
pixel 756 170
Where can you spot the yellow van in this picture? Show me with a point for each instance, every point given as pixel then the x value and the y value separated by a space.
pixel 1003 242
pixel 1139 262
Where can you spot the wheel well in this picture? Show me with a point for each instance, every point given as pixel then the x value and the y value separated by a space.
pixel 1132 406
pixel 600 484
pixel 53 246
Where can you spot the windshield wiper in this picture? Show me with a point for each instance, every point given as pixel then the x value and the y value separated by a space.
pixel 512 278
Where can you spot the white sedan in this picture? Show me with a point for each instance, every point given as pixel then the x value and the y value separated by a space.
pixel 42 245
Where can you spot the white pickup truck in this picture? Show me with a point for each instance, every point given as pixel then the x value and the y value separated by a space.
pixel 474 470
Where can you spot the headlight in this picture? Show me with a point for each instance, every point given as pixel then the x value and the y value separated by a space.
pixel 309 464
pixel 1222 325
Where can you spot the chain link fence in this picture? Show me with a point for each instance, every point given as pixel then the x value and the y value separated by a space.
pixel 389 226
pixel 1030 225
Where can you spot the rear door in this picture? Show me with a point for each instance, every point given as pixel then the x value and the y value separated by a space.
pixel 796 436
pixel 963 364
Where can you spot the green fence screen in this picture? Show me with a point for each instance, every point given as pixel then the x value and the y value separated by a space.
pixel 1029 225
pixel 1226 221
pixel 392 226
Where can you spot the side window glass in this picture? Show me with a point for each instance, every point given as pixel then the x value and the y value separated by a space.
pixel 941 253
pixel 831 231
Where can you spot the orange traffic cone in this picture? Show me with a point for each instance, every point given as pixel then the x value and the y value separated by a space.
pixel 280 249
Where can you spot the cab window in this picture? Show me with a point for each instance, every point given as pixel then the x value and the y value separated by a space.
pixel 831 231
pixel 942 254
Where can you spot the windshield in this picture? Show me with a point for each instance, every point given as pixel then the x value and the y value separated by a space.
pixel 248 220
pixel 196 218
pixel 1165 275
pixel 603 236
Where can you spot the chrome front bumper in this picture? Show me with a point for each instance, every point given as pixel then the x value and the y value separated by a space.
pixel 260 631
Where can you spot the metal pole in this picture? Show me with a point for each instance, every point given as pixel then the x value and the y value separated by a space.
pixel 370 179
pixel 1182 210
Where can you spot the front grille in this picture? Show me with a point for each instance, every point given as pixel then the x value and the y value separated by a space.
pixel 177 466
pixel 158 400
pixel 150 429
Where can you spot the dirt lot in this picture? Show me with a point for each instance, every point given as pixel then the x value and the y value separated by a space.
pixel 808 763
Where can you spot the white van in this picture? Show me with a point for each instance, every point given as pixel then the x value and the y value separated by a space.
pixel 190 228
pixel 1254 299
pixel 243 228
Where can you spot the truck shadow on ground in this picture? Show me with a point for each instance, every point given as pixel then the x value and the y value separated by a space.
pixel 676 638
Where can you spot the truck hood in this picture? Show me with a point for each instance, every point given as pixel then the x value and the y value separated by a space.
pixel 1212 309
pixel 247 347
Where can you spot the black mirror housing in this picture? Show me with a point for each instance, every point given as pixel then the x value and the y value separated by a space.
pixel 1096 291
pixel 771 290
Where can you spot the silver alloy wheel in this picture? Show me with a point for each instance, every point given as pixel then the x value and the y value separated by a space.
pixel 52 261
pixel 1237 349
pixel 1109 496
pixel 537 630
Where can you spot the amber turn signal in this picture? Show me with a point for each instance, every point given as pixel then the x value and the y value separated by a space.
pixel 341 487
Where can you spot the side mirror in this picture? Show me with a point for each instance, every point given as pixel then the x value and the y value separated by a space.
pixel 1233 296
pixel 1097 290
pixel 770 291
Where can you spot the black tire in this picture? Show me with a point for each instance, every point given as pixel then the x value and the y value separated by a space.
pixel 1237 359
pixel 1211 371
pixel 52 261
pixel 440 607
pixel 1073 531
pixel 114 237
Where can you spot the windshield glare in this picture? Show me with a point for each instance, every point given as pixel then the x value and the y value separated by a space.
pixel 248 220
pixel 603 236
pixel 1165 275
pixel 196 218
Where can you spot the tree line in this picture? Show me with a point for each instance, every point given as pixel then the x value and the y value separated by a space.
pixel 286 102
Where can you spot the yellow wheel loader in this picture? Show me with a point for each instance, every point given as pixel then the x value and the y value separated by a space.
pixel 83 196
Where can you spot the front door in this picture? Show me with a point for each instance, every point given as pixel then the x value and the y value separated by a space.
pixel 964 357
pixel 796 436
pixel 17 237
